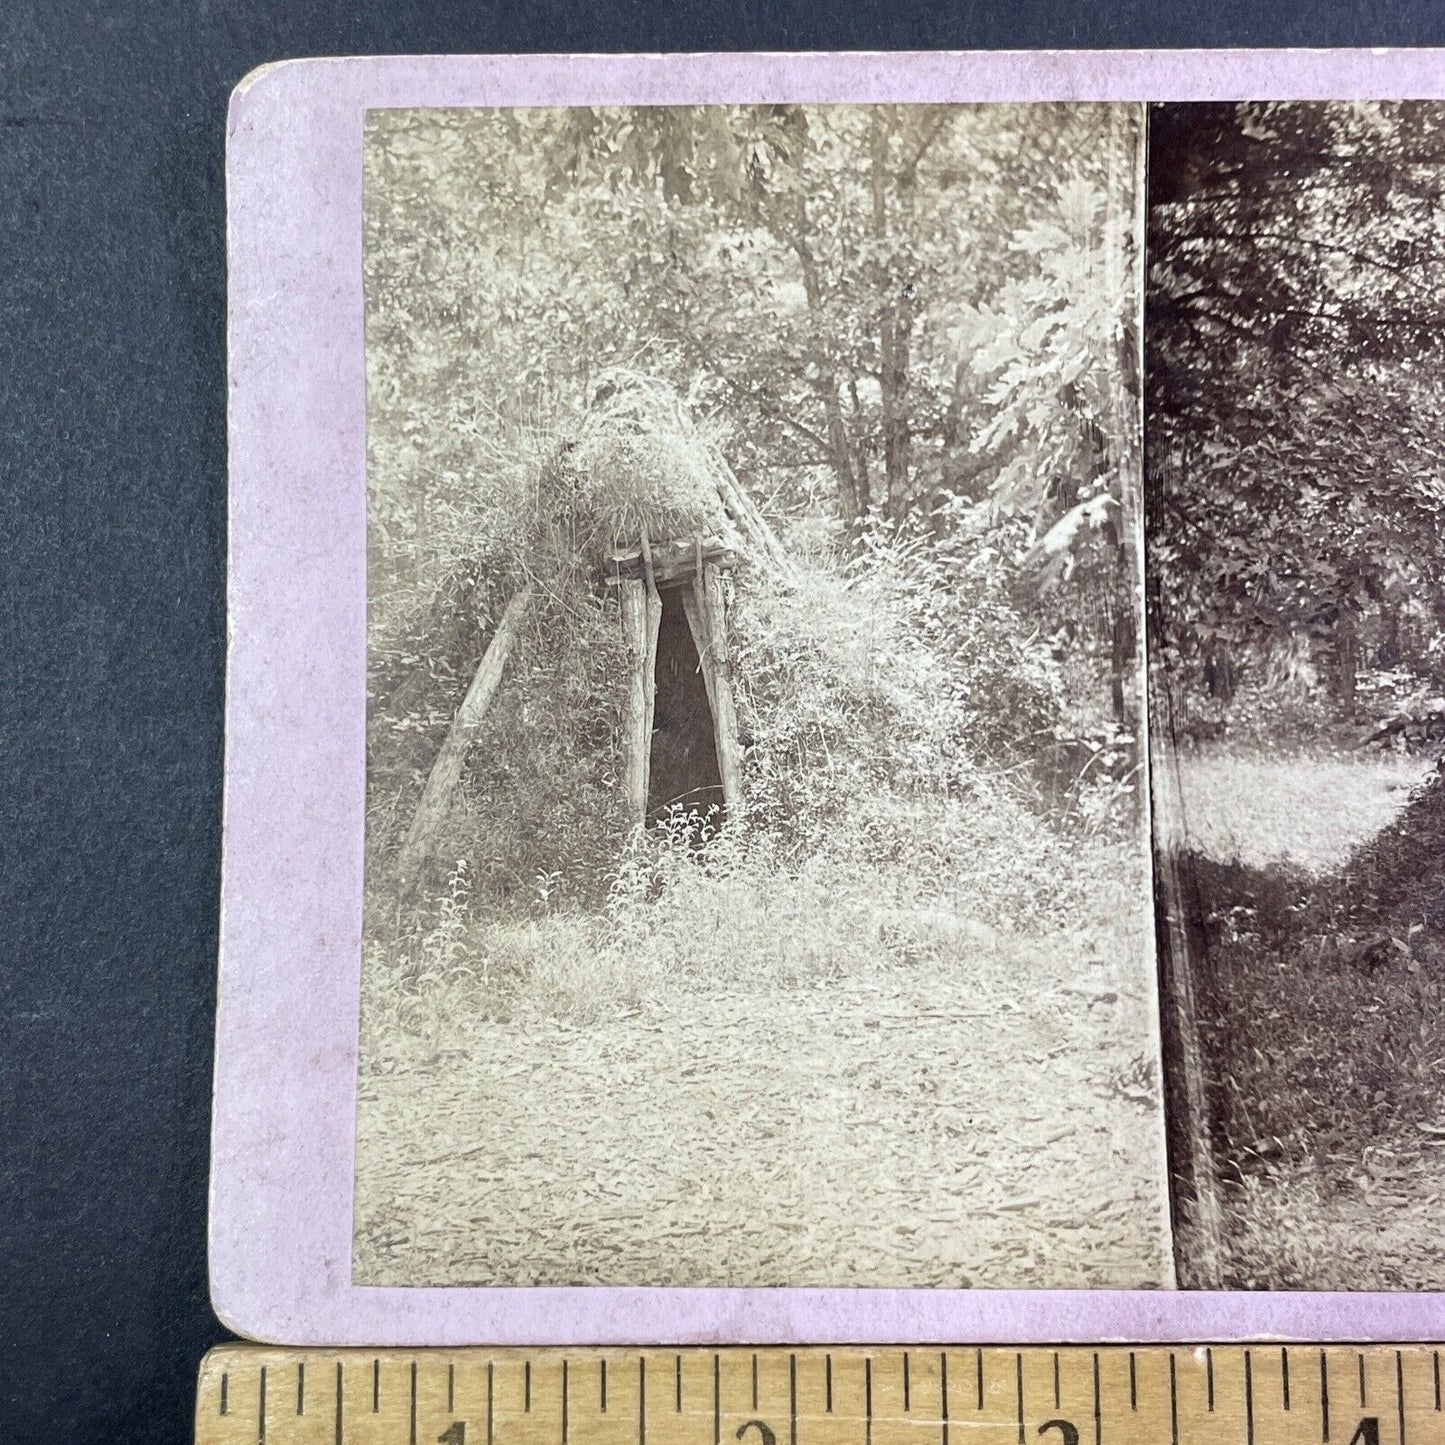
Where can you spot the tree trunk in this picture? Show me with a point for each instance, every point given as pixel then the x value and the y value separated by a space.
pixel 1194 1184
pixel 1121 661
pixel 1219 676
pixel 851 504
pixel 445 777
pixel 1391 650
pixel 1347 656
pixel 895 333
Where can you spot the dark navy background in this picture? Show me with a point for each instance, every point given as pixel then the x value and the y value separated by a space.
pixel 112 542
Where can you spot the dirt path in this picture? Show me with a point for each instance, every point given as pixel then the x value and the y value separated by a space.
pixel 912 1130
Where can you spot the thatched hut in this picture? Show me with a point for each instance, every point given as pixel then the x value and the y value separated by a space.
pixel 636 516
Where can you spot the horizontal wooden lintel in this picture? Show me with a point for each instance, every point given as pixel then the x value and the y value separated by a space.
pixel 671 561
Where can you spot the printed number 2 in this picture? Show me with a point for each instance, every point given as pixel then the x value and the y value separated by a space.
pixel 454 1434
pixel 1070 1432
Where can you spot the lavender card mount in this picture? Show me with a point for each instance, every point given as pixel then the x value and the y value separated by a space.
pixel 834 700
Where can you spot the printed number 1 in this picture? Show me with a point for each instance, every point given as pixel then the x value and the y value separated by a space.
pixel 454 1434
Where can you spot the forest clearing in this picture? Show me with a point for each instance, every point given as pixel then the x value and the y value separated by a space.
pixel 1307 810
pixel 1320 899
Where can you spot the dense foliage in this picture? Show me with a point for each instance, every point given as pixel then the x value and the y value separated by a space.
pixel 1295 464
pixel 1295 483
pixel 911 335
pixel 884 311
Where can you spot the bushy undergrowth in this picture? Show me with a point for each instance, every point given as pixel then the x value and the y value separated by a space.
pixel 1322 1000
pixel 891 703
pixel 961 884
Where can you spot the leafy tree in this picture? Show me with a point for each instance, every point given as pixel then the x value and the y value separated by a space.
pixel 913 316
pixel 1293 457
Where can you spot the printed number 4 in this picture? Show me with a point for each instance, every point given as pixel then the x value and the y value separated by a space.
pixel 454 1434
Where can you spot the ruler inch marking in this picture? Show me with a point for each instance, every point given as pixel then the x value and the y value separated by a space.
pixel 1360 1361
pixel 301 1387
pixel 677 1366
pixel 716 1399
pixel 1324 1396
pixel 602 1384
pixel 375 1386
pixel 1435 1355
pixel 1019 1390
pixel 1209 1377
pixel 1400 1394
pixel 1056 1379
pixel 1098 1414
pixel 867 1399
pixel 1248 1399
pixel 1173 1403
pixel 792 1399
pixel 413 1402
pixel 340 1396
pixel 943 1392
pixel 828 1382
pixel 261 1410
pixel 1133 1384
pixel 564 1402
pixel 225 1381
pixel 1284 1375
pixel 978 1370
pixel 489 1402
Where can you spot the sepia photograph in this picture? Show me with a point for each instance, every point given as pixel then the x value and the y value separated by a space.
pixel 1295 476
pixel 758 875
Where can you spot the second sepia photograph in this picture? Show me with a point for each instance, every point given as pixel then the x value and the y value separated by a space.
pixel 1295 468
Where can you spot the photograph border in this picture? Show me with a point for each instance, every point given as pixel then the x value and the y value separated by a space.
pixel 284 1117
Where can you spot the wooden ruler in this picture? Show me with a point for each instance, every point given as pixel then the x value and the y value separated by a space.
pixel 1074 1395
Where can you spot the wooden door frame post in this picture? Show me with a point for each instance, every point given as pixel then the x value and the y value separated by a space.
pixel 641 622
pixel 724 707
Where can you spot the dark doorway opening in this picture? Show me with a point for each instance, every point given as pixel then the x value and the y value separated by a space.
pixel 684 768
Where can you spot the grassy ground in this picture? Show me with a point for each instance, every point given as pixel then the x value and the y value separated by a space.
pixel 1305 810
pixel 803 1089
pixel 1317 953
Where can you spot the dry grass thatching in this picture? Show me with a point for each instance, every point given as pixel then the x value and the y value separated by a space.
pixel 558 497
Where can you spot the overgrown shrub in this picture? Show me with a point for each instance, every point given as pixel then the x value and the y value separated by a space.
pixel 1322 1001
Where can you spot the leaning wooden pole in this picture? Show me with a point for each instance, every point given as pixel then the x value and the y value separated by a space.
pixel 444 780
pixel 745 514
pixel 725 716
